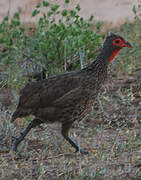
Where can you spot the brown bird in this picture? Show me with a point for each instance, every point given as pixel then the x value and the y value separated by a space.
pixel 67 97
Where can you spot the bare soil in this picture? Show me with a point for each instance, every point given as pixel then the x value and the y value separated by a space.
pixel 111 133
pixel 115 11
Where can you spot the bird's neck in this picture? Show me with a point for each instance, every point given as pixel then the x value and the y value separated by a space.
pixel 107 55
pixel 96 72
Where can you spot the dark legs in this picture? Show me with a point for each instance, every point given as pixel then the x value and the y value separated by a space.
pixel 31 125
pixel 65 129
pixel 36 122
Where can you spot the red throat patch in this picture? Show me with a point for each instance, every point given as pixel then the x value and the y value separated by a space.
pixel 114 53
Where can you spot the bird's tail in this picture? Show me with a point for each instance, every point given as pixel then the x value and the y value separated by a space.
pixel 20 113
pixel 15 115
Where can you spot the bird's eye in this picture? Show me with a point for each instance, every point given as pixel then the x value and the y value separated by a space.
pixel 117 41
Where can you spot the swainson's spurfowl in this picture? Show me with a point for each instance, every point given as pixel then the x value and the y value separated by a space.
pixel 67 97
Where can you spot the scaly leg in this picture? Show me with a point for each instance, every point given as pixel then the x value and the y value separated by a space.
pixel 65 130
pixel 31 125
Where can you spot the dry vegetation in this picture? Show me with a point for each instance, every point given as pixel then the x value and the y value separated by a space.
pixel 111 133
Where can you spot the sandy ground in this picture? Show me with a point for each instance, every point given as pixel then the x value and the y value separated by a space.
pixel 105 10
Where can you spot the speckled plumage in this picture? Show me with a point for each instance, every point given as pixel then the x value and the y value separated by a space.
pixel 67 97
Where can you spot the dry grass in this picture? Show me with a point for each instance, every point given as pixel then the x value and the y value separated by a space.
pixel 111 133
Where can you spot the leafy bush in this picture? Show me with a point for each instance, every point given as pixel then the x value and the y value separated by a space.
pixel 60 39
pixel 60 36
pixel 57 42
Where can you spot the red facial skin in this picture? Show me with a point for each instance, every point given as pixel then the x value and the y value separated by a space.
pixel 121 43
pixel 113 55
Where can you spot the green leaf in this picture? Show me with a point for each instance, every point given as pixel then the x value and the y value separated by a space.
pixel 91 18
pixel 64 12
pixel 72 13
pixel 78 7
pixel 38 5
pixel 67 1
pixel 134 9
pixel 35 12
pixel 81 19
pixel 49 13
pixel 46 3
pixel 98 25
pixel 6 18
pixel 54 7
pixel 16 16
pixel 15 23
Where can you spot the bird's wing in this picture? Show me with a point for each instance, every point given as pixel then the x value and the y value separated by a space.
pixel 67 102
pixel 69 98
pixel 44 93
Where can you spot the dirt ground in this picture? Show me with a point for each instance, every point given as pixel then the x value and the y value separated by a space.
pixel 112 136
pixel 111 132
pixel 115 11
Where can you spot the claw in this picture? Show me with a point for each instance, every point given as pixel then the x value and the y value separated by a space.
pixel 82 151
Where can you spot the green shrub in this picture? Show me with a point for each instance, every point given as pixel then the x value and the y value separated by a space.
pixel 60 39
pixel 61 34
pixel 57 42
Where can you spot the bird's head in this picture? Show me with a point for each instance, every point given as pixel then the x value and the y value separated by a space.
pixel 113 44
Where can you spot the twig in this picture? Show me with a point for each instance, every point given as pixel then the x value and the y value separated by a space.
pixel 82 55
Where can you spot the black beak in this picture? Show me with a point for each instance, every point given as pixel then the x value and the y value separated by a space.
pixel 127 44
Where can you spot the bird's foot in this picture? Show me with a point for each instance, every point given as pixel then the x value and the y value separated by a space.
pixel 82 151
pixel 15 145
pixel 16 152
pixel 15 148
pixel 18 155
